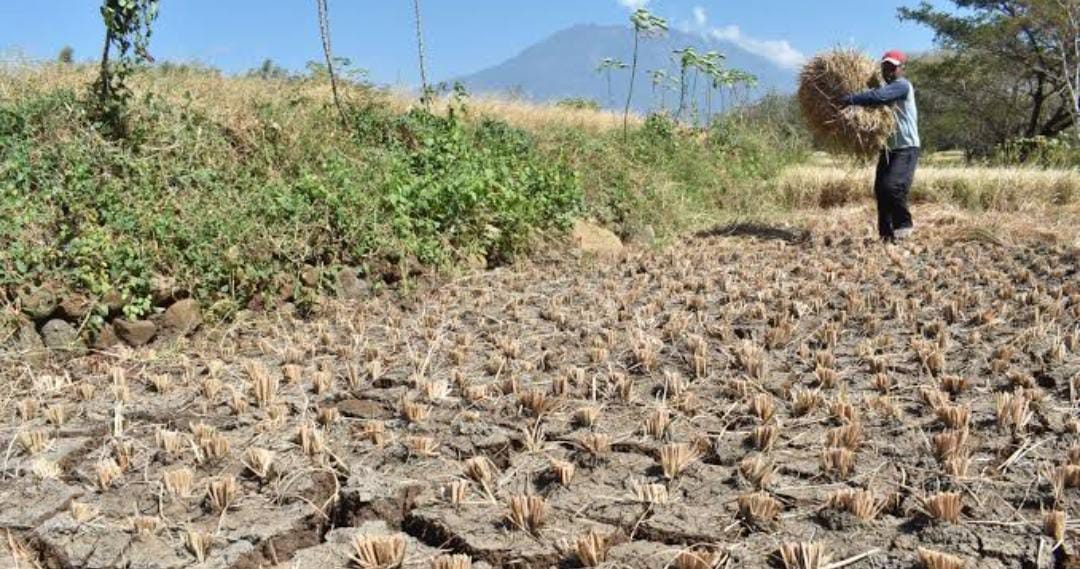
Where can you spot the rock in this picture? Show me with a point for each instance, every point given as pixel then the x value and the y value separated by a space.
pixel 76 307
pixel 39 302
pixel 105 338
pixel 61 335
pixel 310 276
pixel 114 300
pixel 596 240
pixel 349 285
pixel 163 288
pixel 644 236
pixel 476 262
pixel 358 409
pixel 135 333
pixel 183 317
pixel 28 343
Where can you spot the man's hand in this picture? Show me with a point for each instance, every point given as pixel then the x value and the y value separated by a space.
pixel 844 101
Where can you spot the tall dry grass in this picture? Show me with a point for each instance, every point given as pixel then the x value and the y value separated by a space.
pixel 976 188
pixel 234 100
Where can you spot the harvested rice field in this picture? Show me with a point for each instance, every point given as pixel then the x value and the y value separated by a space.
pixel 788 397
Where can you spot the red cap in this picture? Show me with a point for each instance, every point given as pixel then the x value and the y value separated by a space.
pixel 895 57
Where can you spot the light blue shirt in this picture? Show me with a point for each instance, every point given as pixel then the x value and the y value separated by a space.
pixel 900 96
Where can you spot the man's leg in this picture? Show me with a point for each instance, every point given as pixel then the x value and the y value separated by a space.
pixel 907 164
pixel 881 193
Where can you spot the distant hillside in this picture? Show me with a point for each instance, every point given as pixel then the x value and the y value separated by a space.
pixel 564 66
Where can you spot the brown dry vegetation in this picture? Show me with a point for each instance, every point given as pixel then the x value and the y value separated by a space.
pixel 976 188
pixel 666 408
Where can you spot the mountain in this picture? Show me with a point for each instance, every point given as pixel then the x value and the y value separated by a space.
pixel 564 65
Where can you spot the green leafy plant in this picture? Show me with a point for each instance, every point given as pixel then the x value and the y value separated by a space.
pixel 606 67
pixel 128 27
pixel 645 24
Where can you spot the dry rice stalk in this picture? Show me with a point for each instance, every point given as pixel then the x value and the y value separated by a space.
pixel 451 562
pixel 1013 413
pixel 222 492
pixel 479 469
pixel 258 461
pixel 33 442
pixel 657 423
pixel 804 401
pixel 758 510
pixel 936 560
pixel 415 412
pixel 950 444
pixel 804 556
pixel 954 384
pixel 944 507
pixel 81 512
pixel 1054 525
pixel 676 457
pixel 848 436
pixel 702 557
pixel 108 472
pixel 145 526
pixel 456 491
pixel 586 416
pixel 421 446
pixel 763 407
pixel 763 437
pixel 179 482
pixel 955 416
pixel 198 543
pixel 859 503
pixel 758 471
pixel 592 549
pixel 838 462
pixel 45 469
pixel 378 551
pixel 56 414
pixel 653 494
pixel 527 513
pixel 563 470
pixel 596 444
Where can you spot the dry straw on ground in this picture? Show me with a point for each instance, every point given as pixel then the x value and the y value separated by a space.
pixel 861 131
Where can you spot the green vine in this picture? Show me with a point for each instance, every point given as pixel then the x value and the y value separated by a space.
pixel 127 32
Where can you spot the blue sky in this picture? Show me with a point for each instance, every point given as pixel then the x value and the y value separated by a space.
pixel 462 36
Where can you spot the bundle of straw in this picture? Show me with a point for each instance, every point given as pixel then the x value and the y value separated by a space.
pixel 860 131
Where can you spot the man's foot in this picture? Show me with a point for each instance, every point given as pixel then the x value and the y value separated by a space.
pixel 904 234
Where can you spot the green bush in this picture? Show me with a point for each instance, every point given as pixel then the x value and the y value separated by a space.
pixel 237 204
pixel 230 217
pixel 580 104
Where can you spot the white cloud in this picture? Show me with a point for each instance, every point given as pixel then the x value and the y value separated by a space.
pixel 634 4
pixel 779 52
pixel 700 18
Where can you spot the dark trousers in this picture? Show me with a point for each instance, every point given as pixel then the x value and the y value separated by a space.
pixel 892 185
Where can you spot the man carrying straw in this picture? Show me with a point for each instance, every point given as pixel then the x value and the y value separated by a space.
pixel 897 162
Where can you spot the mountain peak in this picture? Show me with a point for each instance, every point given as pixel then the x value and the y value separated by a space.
pixel 564 66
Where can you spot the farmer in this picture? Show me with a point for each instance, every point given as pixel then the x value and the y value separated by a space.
pixel 896 165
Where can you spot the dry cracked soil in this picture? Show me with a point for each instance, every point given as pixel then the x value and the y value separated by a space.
pixel 750 397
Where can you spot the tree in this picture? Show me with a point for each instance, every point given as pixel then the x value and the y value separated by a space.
pixel 66 55
pixel 1032 45
pixel 645 24
pixel 425 96
pixel 324 32
pixel 661 82
pixel 606 67
pixel 128 27
pixel 688 59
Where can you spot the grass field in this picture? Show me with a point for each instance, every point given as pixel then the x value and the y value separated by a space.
pixel 941 179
